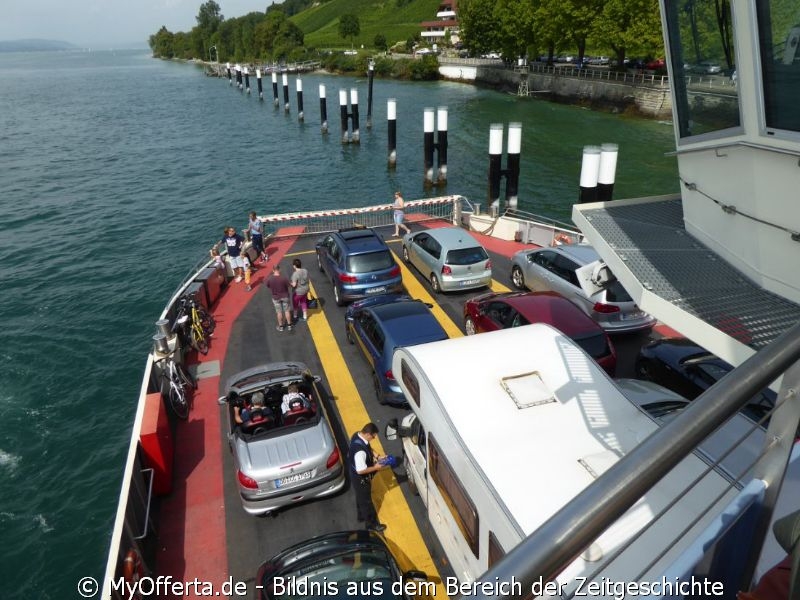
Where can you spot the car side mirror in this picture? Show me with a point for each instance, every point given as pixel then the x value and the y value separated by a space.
pixel 390 431
pixel 415 575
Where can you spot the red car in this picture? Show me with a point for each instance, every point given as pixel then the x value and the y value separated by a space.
pixel 489 312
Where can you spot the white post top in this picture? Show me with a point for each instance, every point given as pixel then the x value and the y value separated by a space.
pixel 274 77
pixel 299 85
pixel 391 109
pixel 342 97
pixel 496 139
pixel 427 121
pixel 590 167
pixel 608 163
pixel 514 138
pixel 321 90
pixel 258 73
pixel 353 96
pixel 441 118
pixel 285 79
pixel 227 65
pixel 245 71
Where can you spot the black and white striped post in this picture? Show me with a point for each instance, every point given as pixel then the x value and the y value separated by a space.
pixel 370 77
pixel 343 115
pixel 391 118
pixel 230 76
pixel 495 167
pixel 260 88
pixel 323 108
pixel 247 80
pixel 590 170
pixel 441 144
pixel 427 149
pixel 607 172
pixel 239 77
pixel 512 164
pixel 356 138
pixel 285 81
pixel 300 116
pixel 275 88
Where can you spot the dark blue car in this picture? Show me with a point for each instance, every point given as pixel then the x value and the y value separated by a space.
pixel 384 323
pixel 688 369
pixel 359 264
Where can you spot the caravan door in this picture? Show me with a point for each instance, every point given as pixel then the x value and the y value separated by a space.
pixel 416 461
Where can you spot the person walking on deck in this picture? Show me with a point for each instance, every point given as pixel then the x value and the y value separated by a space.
pixel 301 287
pixel 279 286
pixel 399 214
pixel 256 228
pixel 363 463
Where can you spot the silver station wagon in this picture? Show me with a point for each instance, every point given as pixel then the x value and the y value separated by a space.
pixel 281 456
pixel 449 258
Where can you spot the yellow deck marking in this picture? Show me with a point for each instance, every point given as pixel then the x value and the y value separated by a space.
pixel 393 509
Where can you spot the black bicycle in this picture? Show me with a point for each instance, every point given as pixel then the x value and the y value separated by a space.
pixel 178 383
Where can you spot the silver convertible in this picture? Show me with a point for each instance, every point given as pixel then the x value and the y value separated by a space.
pixel 281 456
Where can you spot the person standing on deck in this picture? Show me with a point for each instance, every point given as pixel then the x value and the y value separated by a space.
pixel 256 228
pixel 234 242
pixel 301 288
pixel 363 463
pixel 399 214
pixel 279 285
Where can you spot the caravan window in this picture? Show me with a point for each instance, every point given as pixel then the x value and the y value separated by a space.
pixel 411 383
pixel 454 494
pixel 496 551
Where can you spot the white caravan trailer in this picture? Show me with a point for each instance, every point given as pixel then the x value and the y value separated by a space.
pixel 508 426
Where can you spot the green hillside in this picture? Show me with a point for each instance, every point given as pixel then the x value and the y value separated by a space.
pixel 398 20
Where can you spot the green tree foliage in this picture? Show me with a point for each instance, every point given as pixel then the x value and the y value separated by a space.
pixel 349 27
pixel 480 26
pixel 380 42
pixel 161 43
pixel 630 26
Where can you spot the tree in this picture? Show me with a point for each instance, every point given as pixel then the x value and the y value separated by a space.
pixel 480 26
pixel 349 27
pixel 630 26
pixel 380 42
pixel 161 43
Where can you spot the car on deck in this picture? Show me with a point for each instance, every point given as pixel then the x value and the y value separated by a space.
pixel 689 370
pixel 345 564
pixel 491 311
pixel 281 458
pixel 359 264
pixel 381 324
pixel 449 258
pixel 576 272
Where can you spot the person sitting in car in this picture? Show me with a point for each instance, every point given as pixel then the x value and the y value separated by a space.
pixel 256 411
pixel 294 399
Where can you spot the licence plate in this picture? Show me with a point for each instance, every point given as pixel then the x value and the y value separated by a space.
pixel 293 478
pixel 377 290
pixel 470 281
pixel 630 316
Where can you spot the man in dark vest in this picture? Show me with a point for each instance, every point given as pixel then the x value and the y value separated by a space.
pixel 363 463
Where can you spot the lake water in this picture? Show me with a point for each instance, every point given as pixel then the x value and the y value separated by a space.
pixel 118 172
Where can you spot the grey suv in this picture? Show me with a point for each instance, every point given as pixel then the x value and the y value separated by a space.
pixel 359 264
pixel 556 269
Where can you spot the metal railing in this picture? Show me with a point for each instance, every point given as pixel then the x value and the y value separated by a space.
pixel 554 545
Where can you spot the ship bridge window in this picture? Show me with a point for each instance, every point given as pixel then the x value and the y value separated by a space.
pixel 779 41
pixel 700 35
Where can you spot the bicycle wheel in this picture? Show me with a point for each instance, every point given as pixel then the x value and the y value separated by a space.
pixel 178 401
pixel 183 375
pixel 199 341
pixel 205 320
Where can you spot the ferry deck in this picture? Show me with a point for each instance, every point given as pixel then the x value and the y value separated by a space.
pixel 200 529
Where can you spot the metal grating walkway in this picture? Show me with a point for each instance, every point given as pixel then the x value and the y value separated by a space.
pixel 651 240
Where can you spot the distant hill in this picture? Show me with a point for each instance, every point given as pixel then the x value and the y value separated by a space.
pixel 35 45
pixel 396 19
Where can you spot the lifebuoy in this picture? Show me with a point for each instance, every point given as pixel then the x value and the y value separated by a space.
pixel 133 570
pixel 561 238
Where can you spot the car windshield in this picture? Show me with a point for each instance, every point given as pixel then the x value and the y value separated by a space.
pixel 331 575
pixel 593 344
pixel 466 256
pixel 616 293
pixel 373 261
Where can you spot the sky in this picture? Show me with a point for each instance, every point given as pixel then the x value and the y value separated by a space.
pixel 106 23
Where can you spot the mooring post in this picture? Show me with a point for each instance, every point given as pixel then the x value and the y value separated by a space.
pixel 441 144
pixel 285 81
pixel 607 172
pixel 323 109
pixel 370 77
pixel 300 116
pixel 258 81
pixel 343 114
pixel 275 88
pixel 427 151
pixel 247 80
pixel 512 164
pixel 354 115
pixel 495 168
pixel 239 77
pixel 590 171
pixel 391 117
pixel 230 76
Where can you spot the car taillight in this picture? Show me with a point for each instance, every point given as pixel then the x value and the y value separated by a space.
pixel 488 265
pixel 605 308
pixel 347 278
pixel 333 459
pixel 389 375
pixel 446 270
pixel 246 481
pixel 395 271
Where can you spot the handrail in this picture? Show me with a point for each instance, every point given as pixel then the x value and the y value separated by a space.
pixel 143 535
pixel 549 549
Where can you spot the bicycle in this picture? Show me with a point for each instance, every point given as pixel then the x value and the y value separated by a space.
pixel 194 324
pixel 178 380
